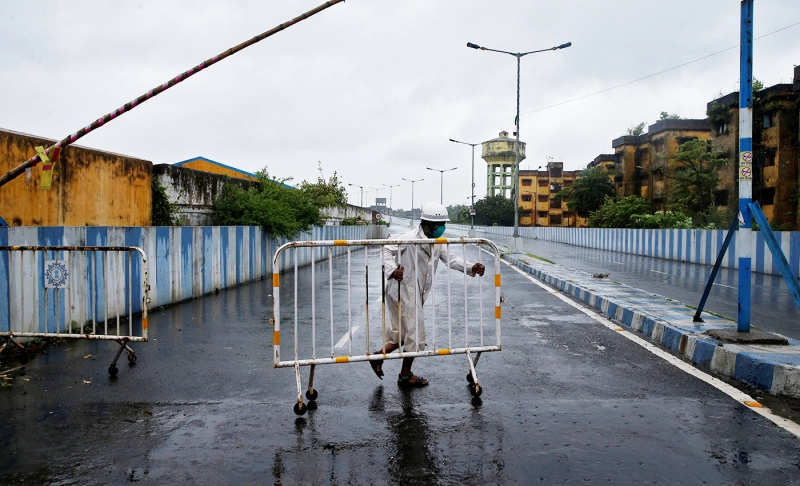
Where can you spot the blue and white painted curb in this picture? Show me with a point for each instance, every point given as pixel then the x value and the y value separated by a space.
pixel 669 323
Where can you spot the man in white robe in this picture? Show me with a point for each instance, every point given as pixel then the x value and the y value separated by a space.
pixel 411 268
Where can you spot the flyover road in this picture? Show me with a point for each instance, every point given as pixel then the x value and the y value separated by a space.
pixel 569 399
pixel 772 306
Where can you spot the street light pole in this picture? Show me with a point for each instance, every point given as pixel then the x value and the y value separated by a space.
pixel 391 206
pixel 472 205
pixel 441 181
pixel 412 197
pixel 515 190
pixel 362 192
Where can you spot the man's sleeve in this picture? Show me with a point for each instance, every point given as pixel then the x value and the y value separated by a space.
pixel 456 262
pixel 389 257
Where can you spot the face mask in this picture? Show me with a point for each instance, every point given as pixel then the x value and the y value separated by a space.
pixel 438 232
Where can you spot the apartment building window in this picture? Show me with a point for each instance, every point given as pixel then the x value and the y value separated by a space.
pixel 555 204
pixel 768 196
pixel 543 198
pixel 542 182
pixel 722 128
pixel 543 215
pixel 555 220
pixel 507 168
pixel 526 182
pixel 507 180
pixel 721 198
pixel 769 158
pixel 526 197
pixel 769 120
pixel 496 181
pixel 567 183
pixel 683 140
pixel 555 172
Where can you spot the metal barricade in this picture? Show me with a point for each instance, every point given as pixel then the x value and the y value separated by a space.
pixel 74 292
pixel 304 309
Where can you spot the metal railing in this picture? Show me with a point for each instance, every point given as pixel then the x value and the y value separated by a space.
pixel 313 323
pixel 74 292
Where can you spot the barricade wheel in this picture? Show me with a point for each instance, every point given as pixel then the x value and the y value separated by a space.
pixel 131 357
pixel 475 390
pixel 469 378
pixel 112 370
pixel 312 394
pixel 300 408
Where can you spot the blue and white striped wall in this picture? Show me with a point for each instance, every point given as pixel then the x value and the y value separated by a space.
pixel 684 245
pixel 182 263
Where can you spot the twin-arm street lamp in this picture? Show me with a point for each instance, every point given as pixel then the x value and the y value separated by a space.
pixel 518 55
pixel 391 208
pixel 412 197
pixel 472 205
pixel 441 182
pixel 362 192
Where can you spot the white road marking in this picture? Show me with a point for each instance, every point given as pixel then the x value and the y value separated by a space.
pixel 720 385
pixel 346 338
pixel 665 273
pixel 728 286
pixel 619 263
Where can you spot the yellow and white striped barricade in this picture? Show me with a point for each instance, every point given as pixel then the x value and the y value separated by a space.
pixel 342 270
pixel 74 292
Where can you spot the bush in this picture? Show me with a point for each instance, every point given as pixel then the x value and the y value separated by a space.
pixel 665 220
pixel 280 210
pixel 163 211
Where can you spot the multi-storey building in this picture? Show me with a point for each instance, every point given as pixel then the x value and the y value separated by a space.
pixel 538 190
pixel 500 164
pixel 641 161
pixel 775 151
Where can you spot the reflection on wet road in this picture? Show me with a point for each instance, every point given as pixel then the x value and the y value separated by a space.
pixel 567 400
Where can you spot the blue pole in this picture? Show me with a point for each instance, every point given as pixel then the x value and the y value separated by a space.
pixel 743 242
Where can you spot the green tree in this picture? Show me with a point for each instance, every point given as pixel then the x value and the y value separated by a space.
pixel 280 210
pixel 325 193
pixel 636 129
pixel 665 115
pixel 619 213
pixel 163 210
pixel 458 213
pixel 493 210
pixel 693 169
pixel 588 192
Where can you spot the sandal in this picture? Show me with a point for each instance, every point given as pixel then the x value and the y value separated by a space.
pixel 404 381
pixel 377 367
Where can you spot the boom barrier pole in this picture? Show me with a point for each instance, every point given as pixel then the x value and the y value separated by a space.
pixel 15 172
pixel 745 164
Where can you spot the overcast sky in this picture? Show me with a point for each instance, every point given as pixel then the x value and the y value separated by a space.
pixel 374 89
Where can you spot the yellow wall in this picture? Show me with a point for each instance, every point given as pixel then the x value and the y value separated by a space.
pixel 540 187
pixel 216 168
pixel 89 188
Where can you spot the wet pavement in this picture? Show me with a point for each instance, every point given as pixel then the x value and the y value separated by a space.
pixel 772 306
pixel 566 401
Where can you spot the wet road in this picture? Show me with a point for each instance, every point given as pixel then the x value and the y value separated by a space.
pixel 566 401
pixel 772 306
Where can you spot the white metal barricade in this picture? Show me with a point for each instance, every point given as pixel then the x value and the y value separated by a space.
pixel 303 308
pixel 74 292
